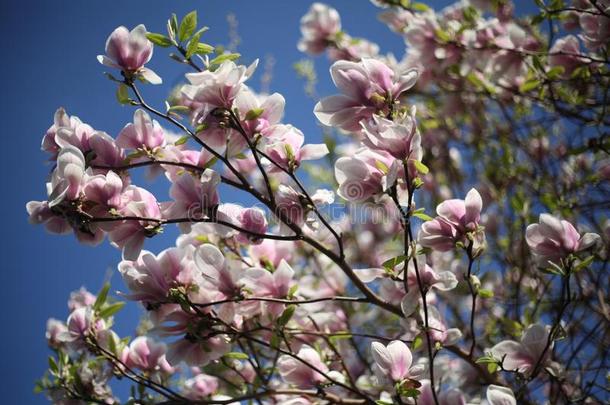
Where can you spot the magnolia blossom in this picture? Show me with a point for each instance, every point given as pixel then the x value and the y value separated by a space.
pixel 401 139
pixel 596 28
pixel 146 354
pixel 366 174
pixel 105 190
pixel 218 89
pixel 200 387
pixel 211 262
pixel 262 283
pixel 67 180
pixel 294 206
pixel 194 195
pixel 258 112
pixel 285 147
pixel 150 277
pixel 130 51
pixel 564 53
pixel 394 361
pixel 80 298
pixel 552 239
pixel 498 395
pixel 452 396
pixel 456 218
pixel 66 130
pixel 319 27
pixel 369 87
pixel 142 133
pixel 523 356
pixel 306 373
pixel 129 235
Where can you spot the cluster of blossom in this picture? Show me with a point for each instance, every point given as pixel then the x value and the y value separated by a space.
pixel 300 309
pixel 90 191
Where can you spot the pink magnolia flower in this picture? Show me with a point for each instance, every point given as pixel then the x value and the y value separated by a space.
pixel 596 29
pixel 142 133
pixel 319 28
pixel 401 139
pixel 258 112
pixel 456 218
pixel 80 298
pixel 552 239
pixel 66 130
pixel 394 361
pixel 498 395
pixel 55 330
pixel 104 189
pixel 251 220
pixel 369 87
pixel 194 196
pixel 285 147
pixel 81 323
pixel 130 51
pixel 293 205
pixel 365 174
pixel 146 354
pixel 523 356
pixel 452 396
pixel 200 387
pixel 262 283
pixel 271 252
pixel 105 151
pixel 67 179
pixel 298 373
pixel 210 90
pixel 352 49
pixel 197 352
pixel 564 53
pixel 150 277
pixel 129 235
pixel 211 262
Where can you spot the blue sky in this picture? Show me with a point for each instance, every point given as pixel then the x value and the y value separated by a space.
pixel 49 50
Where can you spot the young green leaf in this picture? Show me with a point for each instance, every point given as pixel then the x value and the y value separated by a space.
pixel 187 26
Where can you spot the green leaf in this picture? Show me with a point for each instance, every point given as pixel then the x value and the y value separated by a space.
pixel 585 263
pixel 393 262
pixel 443 35
pixel 178 108
pixel 422 215
pixel 224 57
pixel 483 293
pixel 122 94
pixel 236 355
pixel 204 49
pixel 111 309
pixel 293 290
pixel 182 140
pixel 187 26
pixel 192 46
pixel 53 365
pixel 555 72
pixel 101 296
pixel 422 168
pixel 417 342
pixel 159 39
pixel 420 7
pixel 529 85
pixel 382 166
pixel 286 315
pixel 254 113
pixel 492 367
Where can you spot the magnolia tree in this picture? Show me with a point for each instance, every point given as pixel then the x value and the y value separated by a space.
pixel 357 293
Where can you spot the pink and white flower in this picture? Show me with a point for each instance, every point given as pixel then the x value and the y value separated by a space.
pixel 524 355
pixel 130 51
pixel 395 361
pixel 552 239
pixel 369 87
pixel 456 218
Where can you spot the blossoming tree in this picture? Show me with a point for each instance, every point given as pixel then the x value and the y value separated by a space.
pixel 497 120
